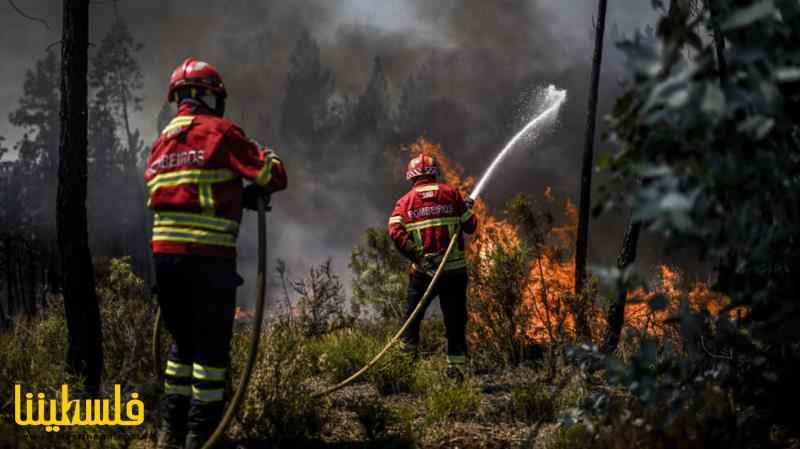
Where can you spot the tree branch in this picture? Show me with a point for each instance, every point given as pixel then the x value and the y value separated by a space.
pixel 22 13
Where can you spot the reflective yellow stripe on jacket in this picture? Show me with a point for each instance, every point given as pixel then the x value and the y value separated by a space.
pixel 196 221
pixel 187 235
pixel 456 260
pixel 196 176
pixel 433 222
pixel 180 121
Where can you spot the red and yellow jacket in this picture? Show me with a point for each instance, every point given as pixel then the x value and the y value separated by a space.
pixel 425 218
pixel 194 179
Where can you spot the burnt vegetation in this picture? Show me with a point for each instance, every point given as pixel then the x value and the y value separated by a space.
pixel 705 153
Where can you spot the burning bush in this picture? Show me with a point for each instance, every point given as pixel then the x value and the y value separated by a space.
pixel 522 277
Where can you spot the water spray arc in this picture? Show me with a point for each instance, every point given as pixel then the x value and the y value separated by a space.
pixel 553 100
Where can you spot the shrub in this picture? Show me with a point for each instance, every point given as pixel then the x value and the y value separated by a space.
pixel 533 402
pixel 279 406
pixel 380 276
pixel 394 373
pixel 33 355
pixel 707 156
pixel 574 437
pixel 375 418
pixel 321 301
pixel 450 399
pixel 342 352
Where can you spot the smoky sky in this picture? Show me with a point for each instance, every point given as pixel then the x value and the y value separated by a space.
pixel 486 55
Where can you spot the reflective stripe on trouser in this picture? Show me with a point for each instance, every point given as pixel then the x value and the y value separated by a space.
pixel 177 395
pixel 452 292
pixel 208 383
pixel 456 360
pixel 178 378
pixel 197 296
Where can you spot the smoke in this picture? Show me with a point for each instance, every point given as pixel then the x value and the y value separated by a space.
pixel 483 57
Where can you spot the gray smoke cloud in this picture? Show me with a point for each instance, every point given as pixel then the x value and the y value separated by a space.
pixel 485 55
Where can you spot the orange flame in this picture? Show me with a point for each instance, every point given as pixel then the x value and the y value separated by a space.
pixel 548 289
pixel 242 314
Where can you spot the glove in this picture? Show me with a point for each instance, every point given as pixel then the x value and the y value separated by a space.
pixel 469 202
pixel 251 195
pixel 429 263
pixel 269 153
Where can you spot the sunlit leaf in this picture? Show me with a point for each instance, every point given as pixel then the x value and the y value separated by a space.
pixel 749 15
pixel 788 74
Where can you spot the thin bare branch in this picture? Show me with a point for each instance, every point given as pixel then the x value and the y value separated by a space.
pixel 29 17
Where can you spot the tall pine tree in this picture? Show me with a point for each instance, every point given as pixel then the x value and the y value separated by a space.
pixel 116 78
pixel 373 112
pixel 37 115
pixel 308 88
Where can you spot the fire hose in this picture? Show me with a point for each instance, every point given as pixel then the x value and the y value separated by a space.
pixel 244 378
pixel 417 310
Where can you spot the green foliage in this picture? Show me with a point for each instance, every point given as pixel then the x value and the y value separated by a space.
pixel 449 399
pixel 279 406
pixel 533 402
pixel 342 352
pixel 574 437
pixel 380 275
pixel 117 281
pixel 375 418
pixel 394 373
pixel 708 157
pixel 499 278
pixel 33 356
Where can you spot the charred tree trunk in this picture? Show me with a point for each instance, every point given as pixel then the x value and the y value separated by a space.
pixel 22 303
pixel 615 316
pixel 10 285
pixel 84 353
pixel 582 241
pixel 32 281
pixel 719 41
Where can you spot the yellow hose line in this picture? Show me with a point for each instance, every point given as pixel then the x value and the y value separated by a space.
pixel 158 366
pixel 244 380
pixel 412 317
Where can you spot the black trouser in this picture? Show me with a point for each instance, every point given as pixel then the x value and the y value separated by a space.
pixel 452 291
pixel 197 296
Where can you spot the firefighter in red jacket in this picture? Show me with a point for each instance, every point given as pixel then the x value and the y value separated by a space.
pixel 421 226
pixel 194 178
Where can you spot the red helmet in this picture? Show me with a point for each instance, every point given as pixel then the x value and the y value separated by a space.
pixel 199 74
pixel 422 165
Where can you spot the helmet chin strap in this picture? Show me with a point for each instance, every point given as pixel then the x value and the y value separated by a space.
pixel 218 107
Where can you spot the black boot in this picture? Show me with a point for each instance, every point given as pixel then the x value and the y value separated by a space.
pixel 167 439
pixel 197 441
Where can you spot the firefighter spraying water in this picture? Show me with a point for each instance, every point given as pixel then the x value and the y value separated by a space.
pixel 427 225
pixel 425 218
